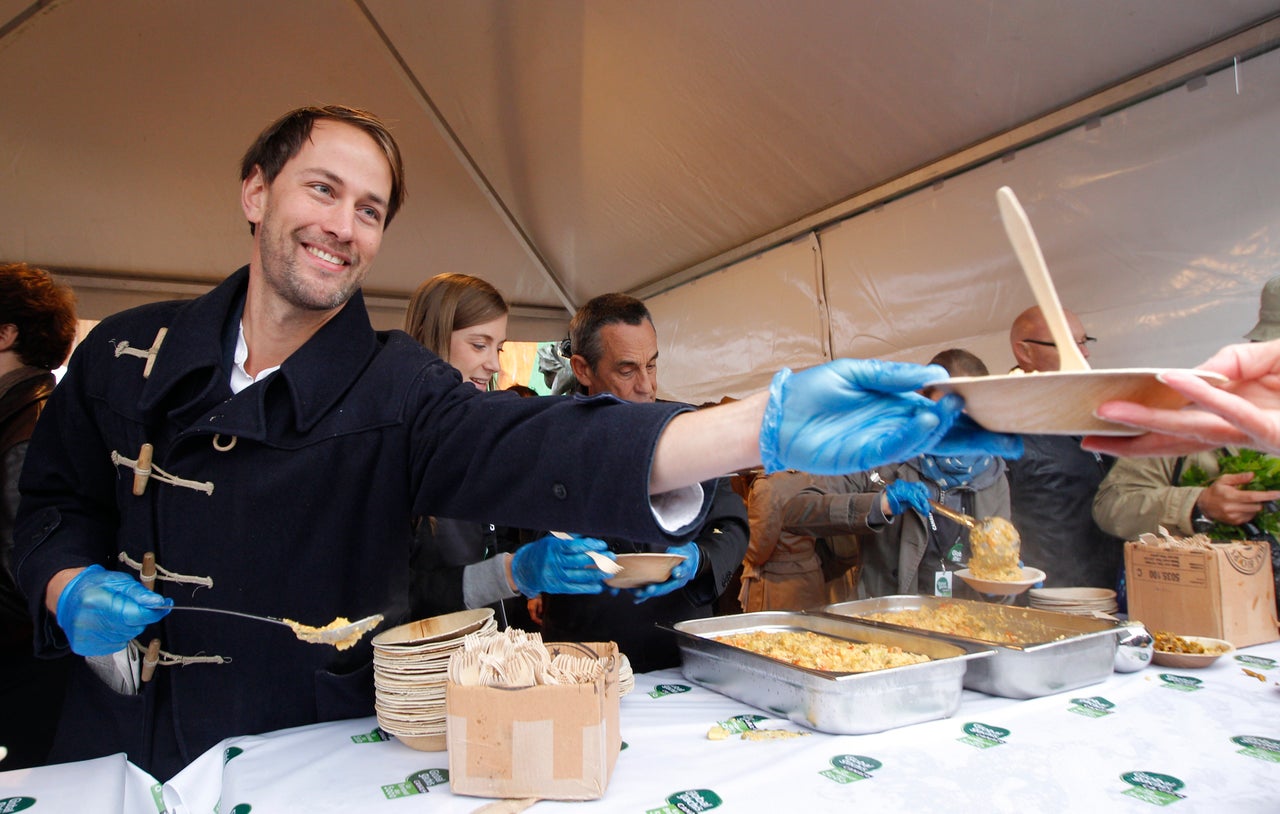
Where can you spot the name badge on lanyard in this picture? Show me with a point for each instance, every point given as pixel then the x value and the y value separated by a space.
pixel 942 584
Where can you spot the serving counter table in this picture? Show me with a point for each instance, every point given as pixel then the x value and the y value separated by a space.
pixel 1199 740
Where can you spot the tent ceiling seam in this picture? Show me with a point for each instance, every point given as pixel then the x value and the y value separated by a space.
pixel 820 286
pixel 469 164
pixel 23 16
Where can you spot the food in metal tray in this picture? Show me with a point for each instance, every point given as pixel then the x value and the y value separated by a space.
pixel 818 652
pixel 953 619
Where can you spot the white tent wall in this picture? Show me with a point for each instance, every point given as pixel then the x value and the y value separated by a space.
pixel 721 334
pixel 1158 224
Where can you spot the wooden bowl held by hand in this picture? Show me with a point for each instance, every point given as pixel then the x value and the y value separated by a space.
pixel 643 569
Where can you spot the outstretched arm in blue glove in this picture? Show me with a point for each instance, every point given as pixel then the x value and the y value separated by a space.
pixel 555 566
pixel 684 571
pixel 846 416
pixel 907 494
pixel 101 610
pixel 851 415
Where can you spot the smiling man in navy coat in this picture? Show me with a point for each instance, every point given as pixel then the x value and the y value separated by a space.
pixel 270 448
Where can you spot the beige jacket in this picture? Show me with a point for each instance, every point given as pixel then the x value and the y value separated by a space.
pixel 1138 496
pixel 781 570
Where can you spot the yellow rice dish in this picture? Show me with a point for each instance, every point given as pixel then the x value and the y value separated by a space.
pixel 826 653
pixel 950 618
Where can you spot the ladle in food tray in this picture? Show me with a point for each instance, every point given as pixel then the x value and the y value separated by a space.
pixel 1018 228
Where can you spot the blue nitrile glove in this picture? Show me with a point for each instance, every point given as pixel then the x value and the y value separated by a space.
pixel 903 494
pixel 680 575
pixel 553 566
pixel 101 610
pixel 851 415
pixel 967 438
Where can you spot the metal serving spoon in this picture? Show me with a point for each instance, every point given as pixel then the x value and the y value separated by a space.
pixel 340 636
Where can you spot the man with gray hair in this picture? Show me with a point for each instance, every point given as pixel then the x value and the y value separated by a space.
pixel 614 353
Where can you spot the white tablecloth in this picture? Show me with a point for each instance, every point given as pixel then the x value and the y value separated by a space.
pixel 1208 739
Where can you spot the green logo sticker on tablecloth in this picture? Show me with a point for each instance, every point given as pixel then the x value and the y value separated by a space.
pixel 1093 707
pixel 1150 787
pixel 10 804
pixel 1256 746
pixel 668 689
pixel 1260 662
pixel 983 736
pixel 243 808
pixel 230 752
pixel 416 783
pixel 691 801
pixel 375 736
pixel 1180 683
pixel 741 723
pixel 850 768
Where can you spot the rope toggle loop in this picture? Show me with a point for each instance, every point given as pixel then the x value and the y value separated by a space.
pixel 143 470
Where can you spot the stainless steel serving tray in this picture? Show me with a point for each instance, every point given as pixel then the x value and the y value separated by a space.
pixel 840 703
pixel 1050 652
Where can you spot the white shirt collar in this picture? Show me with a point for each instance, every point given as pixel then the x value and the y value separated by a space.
pixel 240 378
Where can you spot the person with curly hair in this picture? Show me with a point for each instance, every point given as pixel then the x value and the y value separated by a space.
pixel 37 330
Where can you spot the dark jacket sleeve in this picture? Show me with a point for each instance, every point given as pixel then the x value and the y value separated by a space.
pixel 831 505
pixel 442 548
pixel 723 539
pixel 68 492
pixel 571 463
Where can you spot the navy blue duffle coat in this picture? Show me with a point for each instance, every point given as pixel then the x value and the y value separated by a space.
pixel 297 499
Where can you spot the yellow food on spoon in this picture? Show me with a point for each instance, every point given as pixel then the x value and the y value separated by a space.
pixel 327 634
pixel 994 549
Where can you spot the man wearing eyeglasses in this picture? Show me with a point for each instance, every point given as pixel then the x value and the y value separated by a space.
pixel 1033 345
pixel 1052 487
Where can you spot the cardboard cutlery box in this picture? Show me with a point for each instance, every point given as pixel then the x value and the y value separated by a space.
pixel 553 742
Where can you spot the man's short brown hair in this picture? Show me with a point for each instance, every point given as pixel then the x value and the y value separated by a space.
pixel 283 139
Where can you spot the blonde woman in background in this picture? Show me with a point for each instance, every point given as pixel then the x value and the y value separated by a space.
pixel 463 320
pixel 458 564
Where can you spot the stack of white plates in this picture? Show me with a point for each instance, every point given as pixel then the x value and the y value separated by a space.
pixel 626 677
pixel 1080 601
pixel 410 670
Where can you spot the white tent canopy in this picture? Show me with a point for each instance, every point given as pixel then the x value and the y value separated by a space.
pixel 781 181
